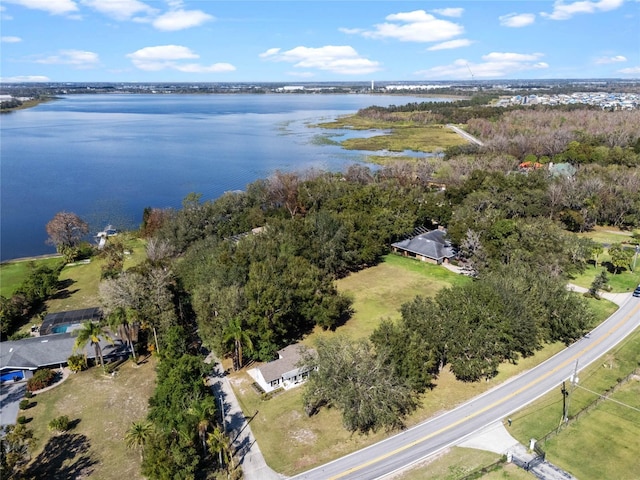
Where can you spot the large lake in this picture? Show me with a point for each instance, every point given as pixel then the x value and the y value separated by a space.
pixel 107 157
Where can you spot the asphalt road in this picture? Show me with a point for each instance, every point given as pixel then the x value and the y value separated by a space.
pixel 465 135
pixel 425 439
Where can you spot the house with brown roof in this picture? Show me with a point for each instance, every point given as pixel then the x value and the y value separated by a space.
pixel 283 372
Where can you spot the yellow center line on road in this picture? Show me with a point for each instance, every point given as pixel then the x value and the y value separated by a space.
pixel 493 405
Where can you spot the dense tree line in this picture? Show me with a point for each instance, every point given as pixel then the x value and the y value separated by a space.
pixel 181 439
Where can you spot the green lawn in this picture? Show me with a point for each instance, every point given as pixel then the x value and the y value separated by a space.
pixel 457 462
pixel 102 409
pixel 626 280
pixel 81 280
pixel 607 235
pixel 607 436
pixel 379 292
pixel 13 273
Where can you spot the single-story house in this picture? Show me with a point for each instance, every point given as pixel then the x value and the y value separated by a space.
pixel 283 372
pixel 20 358
pixel 431 246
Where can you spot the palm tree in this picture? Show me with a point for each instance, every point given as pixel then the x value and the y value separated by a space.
pixel 203 411
pixel 217 442
pixel 119 319
pixel 236 335
pixel 138 434
pixel 91 333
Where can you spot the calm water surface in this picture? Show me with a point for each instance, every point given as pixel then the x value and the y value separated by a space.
pixel 107 157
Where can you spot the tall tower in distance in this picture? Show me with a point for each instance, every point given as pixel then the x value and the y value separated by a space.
pixel 372 85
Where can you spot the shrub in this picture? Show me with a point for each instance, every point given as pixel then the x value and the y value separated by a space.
pixel 28 394
pixel 76 363
pixel 24 404
pixel 41 379
pixel 22 420
pixel 59 424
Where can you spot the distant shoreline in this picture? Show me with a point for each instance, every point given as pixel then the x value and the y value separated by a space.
pixel 29 104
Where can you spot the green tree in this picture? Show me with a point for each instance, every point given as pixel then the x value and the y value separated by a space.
pixel 361 383
pixel 91 333
pixel 237 336
pixel 203 412
pixel 599 282
pixel 15 451
pixel 218 445
pixel 138 434
pixel 620 257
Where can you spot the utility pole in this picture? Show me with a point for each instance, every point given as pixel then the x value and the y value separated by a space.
pixel 574 382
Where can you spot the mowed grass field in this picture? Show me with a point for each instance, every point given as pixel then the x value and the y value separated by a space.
pixel 101 408
pixel 292 442
pixel 604 442
pixel 458 462
pixel 626 280
pixel 13 273
pixel 78 281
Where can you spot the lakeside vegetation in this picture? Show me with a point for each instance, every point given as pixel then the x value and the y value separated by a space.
pixel 302 256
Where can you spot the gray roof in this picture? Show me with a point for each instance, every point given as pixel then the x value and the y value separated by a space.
pixel 289 358
pixel 433 244
pixel 48 350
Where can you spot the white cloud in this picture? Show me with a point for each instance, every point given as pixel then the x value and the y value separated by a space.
pixel 54 7
pixel 517 20
pixel 79 59
pixel 120 9
pixel 171 57
pixel 25 78
pixel 614 59
pixel 301 74
pixel 3 15
pixel 270 52
pixel 335 59
pixel 181 19
pixel 630 71
pixel 563 11
pixel 461 42
pixel 10 39
pixel 449 12
pixel 495 65
pixel 416 26
pixel 351 31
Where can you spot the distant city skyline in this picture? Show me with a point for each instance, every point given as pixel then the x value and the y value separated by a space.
pixel 316 41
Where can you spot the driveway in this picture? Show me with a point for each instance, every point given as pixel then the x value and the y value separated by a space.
pixel 236 425
pixel 10 396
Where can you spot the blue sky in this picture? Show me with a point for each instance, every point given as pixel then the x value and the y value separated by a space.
pixel 304 40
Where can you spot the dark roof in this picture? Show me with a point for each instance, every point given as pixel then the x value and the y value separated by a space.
pixel 433 244
pixel 48 350
pixel 71 317
pixel 289 358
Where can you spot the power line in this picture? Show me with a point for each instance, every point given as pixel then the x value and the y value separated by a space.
pixel 610 399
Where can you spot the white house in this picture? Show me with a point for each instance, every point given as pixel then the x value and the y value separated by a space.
pixel 283 372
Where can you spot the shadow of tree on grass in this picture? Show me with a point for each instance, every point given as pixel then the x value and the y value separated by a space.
pixel 64 456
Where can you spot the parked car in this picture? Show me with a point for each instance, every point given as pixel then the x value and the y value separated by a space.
pixel 636 292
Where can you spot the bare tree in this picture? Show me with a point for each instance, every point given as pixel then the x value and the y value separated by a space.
pixel 65 231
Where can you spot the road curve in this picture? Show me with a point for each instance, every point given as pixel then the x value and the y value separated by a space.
pixel 412 445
